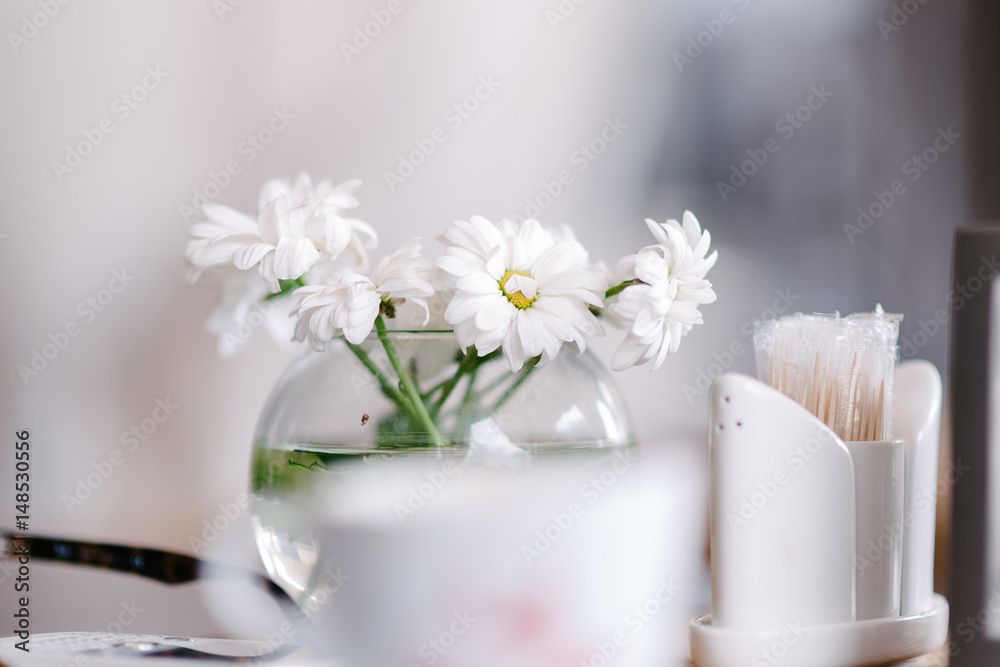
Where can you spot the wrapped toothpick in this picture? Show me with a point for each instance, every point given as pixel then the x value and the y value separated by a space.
pixel 839 368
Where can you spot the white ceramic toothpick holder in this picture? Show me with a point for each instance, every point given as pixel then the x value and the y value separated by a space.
pixel 878 530
pixel 808 558
pixel 918 423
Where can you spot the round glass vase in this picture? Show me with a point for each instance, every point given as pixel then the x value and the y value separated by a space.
pixel 416 394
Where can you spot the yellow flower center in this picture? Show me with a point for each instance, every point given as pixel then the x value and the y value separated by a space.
pixel 517 297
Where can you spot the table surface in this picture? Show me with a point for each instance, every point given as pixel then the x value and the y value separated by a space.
pixel 55 651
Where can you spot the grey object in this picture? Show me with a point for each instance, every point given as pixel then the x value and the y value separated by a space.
pixel 975 324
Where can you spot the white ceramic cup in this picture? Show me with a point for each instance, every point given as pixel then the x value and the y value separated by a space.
pixel 564 564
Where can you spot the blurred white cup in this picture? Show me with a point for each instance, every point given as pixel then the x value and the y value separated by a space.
pixel 581 561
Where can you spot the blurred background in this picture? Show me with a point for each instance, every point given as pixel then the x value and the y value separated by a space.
pixel 783 125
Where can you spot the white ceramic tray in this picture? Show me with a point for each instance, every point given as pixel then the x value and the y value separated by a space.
pixel 836 645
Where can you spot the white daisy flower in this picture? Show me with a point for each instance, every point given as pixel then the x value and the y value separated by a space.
pixel 350 304
pixel 663 285
pixel 300 230
pixel 331 232
pixel 216 238
pixel 242 310
pixel 237 314
pixel 405 276
pixel 297 226
pixel 283 250
pixel 516 287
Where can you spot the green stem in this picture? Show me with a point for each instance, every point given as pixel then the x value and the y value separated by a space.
pixel 482 393
pixel 430 392
pixel 619 288
pixel 388 386
pixel 287 287
pixel 311 466
pixel 409 387
pixel 485 391
pixel 465 409
pixel 530 366
pixel 469 391
pixel 471 360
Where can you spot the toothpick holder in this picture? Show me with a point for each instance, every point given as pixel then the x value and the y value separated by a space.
pixel 878 496
pixel 818 545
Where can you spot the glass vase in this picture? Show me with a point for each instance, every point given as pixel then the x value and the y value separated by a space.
pixel 414 394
